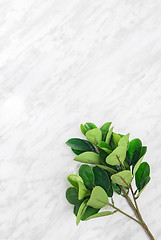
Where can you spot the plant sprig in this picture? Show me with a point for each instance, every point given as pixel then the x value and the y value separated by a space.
pixel 110 163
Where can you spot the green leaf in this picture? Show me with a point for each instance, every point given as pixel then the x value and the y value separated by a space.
pixel 111 169
pixel 90 211
pixel 124 141
pixel 116 188
pixel 86 173
pixel 88 157
pixel 143 151
pixel 123 178
pixel 143 185
pixel 109 134
pixel 83 192
pixel 98 199
pixel 116 138
pixel 88 126
pixel 117 156
pixel 72 196
pixel 76 207
pixel 74 179
pixel 83 129
pixel 105 129
pixel 81 211
pixel 104 146
pixel 94 136
pixel 77 152
pixel 108 169
pixel 142 172
pixel 101 214
pixel 134 151
pixel 80 144
pixel 102 180
pixel 135 168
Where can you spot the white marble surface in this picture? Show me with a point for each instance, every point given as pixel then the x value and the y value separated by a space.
pixel 62 63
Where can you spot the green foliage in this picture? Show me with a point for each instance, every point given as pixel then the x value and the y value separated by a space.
pixel 105 129
pixel 102 179
pixel 122 178
pixel 80 144
pixel 88 157
pixel 86 173
pixel 94 136
pixel 142 176
pixel 116 162
pixel 98 198
pixel 72 196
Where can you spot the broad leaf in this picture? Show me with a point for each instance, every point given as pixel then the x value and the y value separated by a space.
pixel 81 211
pixel 104 146
pixel 102 180
pixel 94 136
pixel 86 173
pixel 103 156
pixel 143 151
pixel 143 185
pixel 105 129
pixel 134 151
pixel 90 211
pixel 117 156
pixel 108 169
pixel 116 188
pixel 88 157
pixel 109 134
pixel 101 214
pixel 83 192
pixel 123 178
pixel 83 129
pixel 142 172
pixel 88 126
pixel 135 168
pixel 74 179
pixel 72 196
pixel 98 199
pixel 124 141
pixel 77 152
pixel 116 138
pixel 80 144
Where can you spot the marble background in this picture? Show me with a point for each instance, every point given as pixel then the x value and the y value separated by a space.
pixel 63 63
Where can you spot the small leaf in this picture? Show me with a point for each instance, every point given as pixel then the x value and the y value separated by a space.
pixel 98 199
pixel 86 173
pixel 74 179
pixel 77 152
pixel 88 126
pixel 135 168
pixel 83 192
pixel 134 151
pixel 105 129
pixel 109 134
pixel 102 180
pixel 76 208
pixel 103 156
pixel 117 156
pixel 94 136
pixel 142 172
pixel 144 184
pixel 89 212
pixel 143 151
pixel 108 169
pixel 83 129
pixel 124 141
pixel 101 214
pixel 123 178
pixel 81 211
pixel 116 138
pixel 80 144
pixel 116 188
pixel 88 157
pixel 72 196
pixel 104 146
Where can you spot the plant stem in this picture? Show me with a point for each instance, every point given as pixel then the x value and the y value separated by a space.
pixel 119 210
pixel 140 217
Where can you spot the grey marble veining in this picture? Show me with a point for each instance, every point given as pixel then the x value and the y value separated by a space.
pixel 63 63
